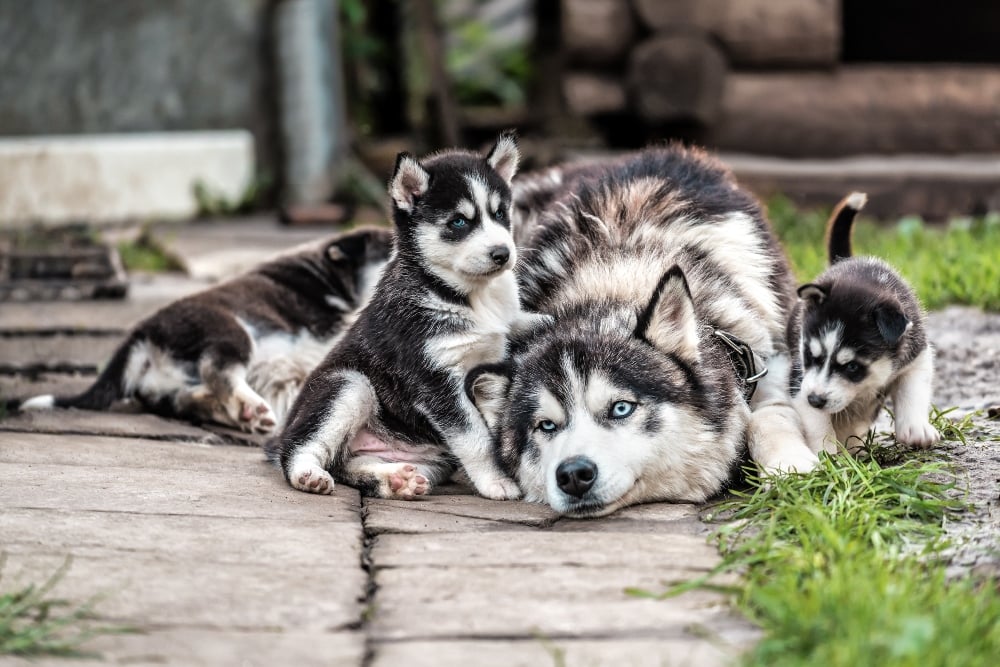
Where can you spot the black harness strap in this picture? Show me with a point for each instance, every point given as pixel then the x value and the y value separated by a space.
pixel 744 362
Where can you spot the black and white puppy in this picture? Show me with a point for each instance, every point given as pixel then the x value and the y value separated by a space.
pixel 237 354
pixel 387 410
pixel 858 336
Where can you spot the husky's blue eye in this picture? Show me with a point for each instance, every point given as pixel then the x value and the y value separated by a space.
pixel 852 367
pixel 547 426
pixel 621 409
pixel 459 223
pixel 499 214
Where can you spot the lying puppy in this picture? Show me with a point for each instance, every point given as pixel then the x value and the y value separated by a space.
pixel 386 411
pixel 237 354
pixel 858 336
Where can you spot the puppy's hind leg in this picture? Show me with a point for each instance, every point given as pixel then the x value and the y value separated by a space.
pixel 223 370
pixel 911 400
pixel 402 480
pixel 329 412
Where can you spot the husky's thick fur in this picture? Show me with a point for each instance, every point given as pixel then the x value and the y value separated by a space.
pixel 858 337
pixel 631 395
pixel 386 411
pixel 237 354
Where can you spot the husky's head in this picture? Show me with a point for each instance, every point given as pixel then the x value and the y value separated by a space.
pixel 850 334
pixel 608 407
pixel 452 212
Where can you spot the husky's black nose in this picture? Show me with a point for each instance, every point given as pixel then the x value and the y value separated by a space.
pixel 575 476
pixel 499 254
pixel 817 401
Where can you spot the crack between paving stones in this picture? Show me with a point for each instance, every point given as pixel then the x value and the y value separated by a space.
pixel 68 332
pixel 324 521
pixel 371 588
pixel 210 438
pixel 48 369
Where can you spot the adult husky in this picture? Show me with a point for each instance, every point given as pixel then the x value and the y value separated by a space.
pixel 660 272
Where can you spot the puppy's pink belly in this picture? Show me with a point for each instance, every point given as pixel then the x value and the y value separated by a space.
pixel 366 443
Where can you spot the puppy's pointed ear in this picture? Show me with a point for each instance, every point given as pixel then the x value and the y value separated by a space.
pixel 487 386
pixel 669 322
pixel 813 293
pixel 891 322
pixel 348 247
pixel 409 182
pixel 505 156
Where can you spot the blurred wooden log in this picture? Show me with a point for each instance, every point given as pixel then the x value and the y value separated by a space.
pixel 756 32
pixel 862 109
pixel 597 31
pixel 677 78
pixel 590 94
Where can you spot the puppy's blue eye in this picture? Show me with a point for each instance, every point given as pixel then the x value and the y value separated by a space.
pixel 621 409
pixel 852 367
pixel 547 426
pixel 459 223
pixel 500 213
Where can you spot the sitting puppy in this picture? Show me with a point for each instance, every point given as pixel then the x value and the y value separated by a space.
pixel 387 410
pixel 237 354
pixel 857 336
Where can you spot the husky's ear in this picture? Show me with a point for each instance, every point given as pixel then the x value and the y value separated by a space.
pixel 486 386
pixel 891 322
pixel 348 247
pixel 669 322
pixel 505 156
pixel 409 182
pixel 813 293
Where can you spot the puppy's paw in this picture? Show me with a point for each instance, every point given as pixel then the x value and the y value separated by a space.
pixel 918 434
pixel 792 460
pixel 310 478
pixel 256 416
pixel 499 488
pixel 405 483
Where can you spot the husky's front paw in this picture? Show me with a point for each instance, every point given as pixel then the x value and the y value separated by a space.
pixel 919 434
pixel 499 488
pixel 309 477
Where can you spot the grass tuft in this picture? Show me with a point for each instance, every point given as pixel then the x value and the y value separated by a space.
pixel 34 623
pixel 845 565
pixel 954 263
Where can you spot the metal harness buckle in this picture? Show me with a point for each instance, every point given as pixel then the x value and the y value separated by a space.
pixel 743 361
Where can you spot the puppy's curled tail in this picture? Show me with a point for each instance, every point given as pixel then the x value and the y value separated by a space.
pixel 108 388
pixel 841 225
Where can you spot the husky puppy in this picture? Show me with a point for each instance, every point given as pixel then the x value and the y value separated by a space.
pixel 857 335
pixel 237 354
pixel 386 411
pixel 670 296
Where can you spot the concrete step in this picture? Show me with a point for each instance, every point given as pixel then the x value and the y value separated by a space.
pixel 108 178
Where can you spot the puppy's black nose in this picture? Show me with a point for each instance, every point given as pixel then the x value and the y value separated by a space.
pixel 499 254
pixel 575 476
pixel 817 401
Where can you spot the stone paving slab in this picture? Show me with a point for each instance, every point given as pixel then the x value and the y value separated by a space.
pixel 197 539
pixel 183 592
pixel 210 648
pixel 523 549
pixel 483 602
pixel 78 352
pixel 147 293
pixel 539 652
pixel 225 488
pixel 452 513
pixel 24 386
pixel 120 424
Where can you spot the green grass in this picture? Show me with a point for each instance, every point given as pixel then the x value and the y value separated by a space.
pixel 845 566
pixel 954 263
pixel 147 253
pixel 33 623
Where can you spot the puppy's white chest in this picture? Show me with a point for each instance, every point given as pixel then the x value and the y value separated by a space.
pixel 490 315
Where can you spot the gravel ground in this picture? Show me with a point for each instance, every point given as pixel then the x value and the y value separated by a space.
pixel 968 378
